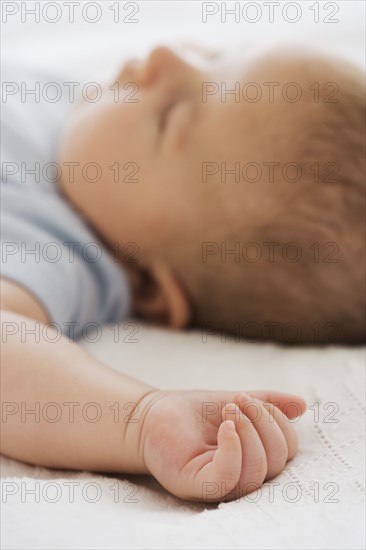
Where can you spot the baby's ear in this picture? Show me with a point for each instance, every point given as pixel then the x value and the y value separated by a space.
pixel 159 297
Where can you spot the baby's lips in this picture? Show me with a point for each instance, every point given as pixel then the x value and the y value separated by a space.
pixel 131 70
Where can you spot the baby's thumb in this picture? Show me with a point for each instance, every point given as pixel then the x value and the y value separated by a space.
pixel 217 479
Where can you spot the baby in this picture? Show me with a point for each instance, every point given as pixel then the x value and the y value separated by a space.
pixel 227 196
pixel 244 193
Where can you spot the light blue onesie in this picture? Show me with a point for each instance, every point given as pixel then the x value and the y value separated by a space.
pixel 46 246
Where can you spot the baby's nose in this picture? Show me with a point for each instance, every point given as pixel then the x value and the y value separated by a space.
pixel 163 62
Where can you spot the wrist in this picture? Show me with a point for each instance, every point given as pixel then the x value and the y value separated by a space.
pixel 135 427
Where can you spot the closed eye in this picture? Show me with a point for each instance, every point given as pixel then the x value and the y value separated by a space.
pixel 165 113
pixel 174 121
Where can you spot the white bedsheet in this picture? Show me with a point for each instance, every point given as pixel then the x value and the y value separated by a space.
pixel 317 502
pixel 326 479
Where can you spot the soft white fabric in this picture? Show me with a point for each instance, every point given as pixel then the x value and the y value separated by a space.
pixel 296 513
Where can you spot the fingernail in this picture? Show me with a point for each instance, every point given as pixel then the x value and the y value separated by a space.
pixel 246 396
pixel 230 407
pixel 230 425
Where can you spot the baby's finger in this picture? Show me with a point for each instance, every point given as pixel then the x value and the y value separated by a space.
pixel 272 437
pixel 220 476
pixel 254 463
pixel 291 405
pixel 286 427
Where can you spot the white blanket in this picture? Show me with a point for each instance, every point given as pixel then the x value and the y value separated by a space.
pixel 317 502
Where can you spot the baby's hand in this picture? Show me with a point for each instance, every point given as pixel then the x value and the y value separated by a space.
pixel 212 446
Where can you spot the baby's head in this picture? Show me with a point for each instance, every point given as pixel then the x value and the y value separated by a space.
pixel 241 185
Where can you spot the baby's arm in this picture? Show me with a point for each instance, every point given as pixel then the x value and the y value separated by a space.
pixel 201 445
pixel 34 374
